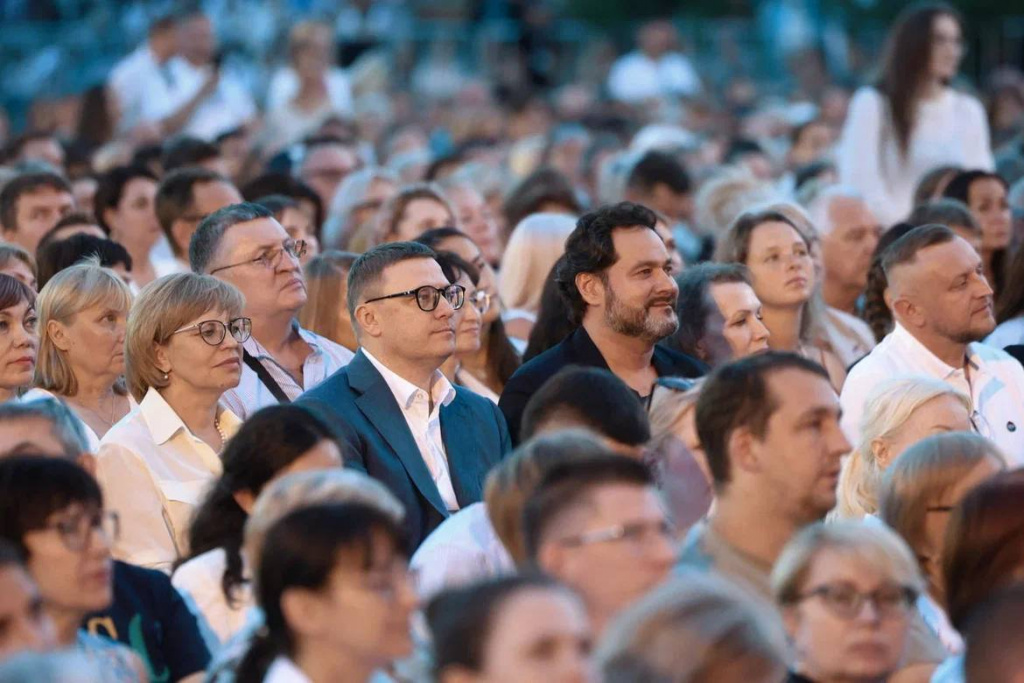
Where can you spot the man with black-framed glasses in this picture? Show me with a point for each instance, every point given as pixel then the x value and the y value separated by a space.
pixel 243 244
pixel 396 415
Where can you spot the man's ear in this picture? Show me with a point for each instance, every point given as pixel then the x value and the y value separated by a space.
pixel 591 288
pixel 742 452
pixel 907 312
pixel 181 234
pixel 368 320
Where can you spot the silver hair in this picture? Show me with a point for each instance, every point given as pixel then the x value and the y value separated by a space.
pixel 65 425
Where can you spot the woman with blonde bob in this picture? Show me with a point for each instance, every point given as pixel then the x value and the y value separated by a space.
pixel 823 580
pixel 82 315
pixel 183 351
pixel 917 496
pixel 898 413
pixel 695 627
pixel 326 310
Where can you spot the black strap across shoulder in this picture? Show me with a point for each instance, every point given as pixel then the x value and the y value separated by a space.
pixel 265 377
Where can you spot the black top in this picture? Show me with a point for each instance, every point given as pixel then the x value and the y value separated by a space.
pixel 578 349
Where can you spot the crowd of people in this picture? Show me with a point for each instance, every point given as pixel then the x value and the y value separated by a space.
pixel 288 396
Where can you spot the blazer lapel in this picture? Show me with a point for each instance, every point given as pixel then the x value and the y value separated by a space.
pixel 464 460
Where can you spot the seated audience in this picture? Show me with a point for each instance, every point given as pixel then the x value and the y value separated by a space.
pixel 984 193
pixel 31 204
pixel 356 203
pixel 1010 307
pixel 526 627
pixel 474 216
pixel 554 322
pixel 56 256
pixel 28 626
pixel 17 263
pixel 183 199
pixel 411 212
pixel 822 581
pixel 468 322
pixel 19 337
pixel 545 190
pixel 877 313
pixel 296 222
pixel 899 413
pixel 182 352
pixel 694 628
pixel 125 206
pixel 719 314
pixel 325 312
pixel 952 213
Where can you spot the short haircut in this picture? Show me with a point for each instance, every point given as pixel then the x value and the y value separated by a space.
pixel 111 188
pixel 590 248
pixel 994 654
pixel 904 250
pixel 22 184
pixel 73 219
pixel 592 398
pixel 175 197
pixel 819 200
pixel 659 168
pixel 62 254
pixel 210 231
pixel 277 204
pixel 162 307
pixel 948 212
pixel 289 186
pixel 366 272
pixel 567 485
pixel 67 294
pixel 738 395
pixel 462 620
pixel 64 424
pixel 544 186
pixel 184 151
pixel 32 488
pixel 693 306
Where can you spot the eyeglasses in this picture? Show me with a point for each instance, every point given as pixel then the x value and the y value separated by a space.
pixel 427 297
pixel 847 602
pixel 388 582
pixel 270 258
pixel 213 332
pixel 76 530
pixel 481 301
pixel 634 533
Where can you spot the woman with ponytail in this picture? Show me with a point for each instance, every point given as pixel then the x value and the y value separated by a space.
pixel 275 441
pixel 336 594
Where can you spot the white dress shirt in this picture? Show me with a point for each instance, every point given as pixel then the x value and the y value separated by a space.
pixel 851 337
pixel 226 108
pixel 284 670
pixel 995 384
pixel 146 90
pixel 199 581
pixel 635 77
pixel 154 472
pixel 251 394
pixel 463 550
pixel 1008 333
pixel 424 422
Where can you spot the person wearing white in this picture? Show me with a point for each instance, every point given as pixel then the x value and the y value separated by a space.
pixel 654 70
pixel 141 83
pixel 183 350
pixel 912 122
pixel 244 245
pixel 942 306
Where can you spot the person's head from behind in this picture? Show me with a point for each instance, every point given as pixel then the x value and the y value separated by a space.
pixel 26 625
pixel 952 213
pixel 660 181
pixel 31 204
pixel 992 636
pixel 769 425
pixel 933 184
pixel 923 486
pixel 533 248
pixel 185 332
pixel 546 190
pixel 51 510
pixel 847 593
pixel 696 627
pixel 38 146
pixel 42 427
pixel 412 211
pixel 185 151
pixel 74 223
pixel 125 205
pixel 296 222
pixel 515 628
pixel 617 274
pixel 984 545
pixel 897 414
pixel 326 310
pixel 937 288
pixel 57 256
pixel 244 245
pixel 849 234
pixel 19 264
pixel 19 335
pixel 592 399
pixel 333 583
pixel 402 305
pixel 719 314
pixel 985 194
pixel 599 525
pixel 184 198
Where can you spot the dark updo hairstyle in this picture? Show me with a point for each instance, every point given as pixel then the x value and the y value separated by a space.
pixel 876 312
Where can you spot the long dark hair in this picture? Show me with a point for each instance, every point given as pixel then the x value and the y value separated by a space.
pixel 302 550
pixel 268 442
pixel 905 64
pixel 876 312
pixel 554 322
pixel 959 188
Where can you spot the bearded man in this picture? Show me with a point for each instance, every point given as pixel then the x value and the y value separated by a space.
pixel 616 279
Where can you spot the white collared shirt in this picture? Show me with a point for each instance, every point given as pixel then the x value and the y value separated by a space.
pixel 424 422
pixel 851 337
pixel 146 91
pixel 229 106
pixel 200 582
pixel 154 471
pixel 995 385
pixel 251 394
pixel 284 670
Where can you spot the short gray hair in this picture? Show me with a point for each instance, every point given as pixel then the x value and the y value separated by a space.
pixel 64 424
pixel 207 237
pixel 818 203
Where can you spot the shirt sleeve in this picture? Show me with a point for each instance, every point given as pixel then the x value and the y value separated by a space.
pixel 858 155
pixel 978 144
pixel 851 400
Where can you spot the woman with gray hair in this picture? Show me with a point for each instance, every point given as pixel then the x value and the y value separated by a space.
pixel 357 201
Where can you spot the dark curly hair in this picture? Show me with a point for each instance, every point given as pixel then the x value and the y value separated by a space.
pixel 590 248
pixel 876 314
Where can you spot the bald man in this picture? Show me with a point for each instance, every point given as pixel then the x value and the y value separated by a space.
pixel 942 306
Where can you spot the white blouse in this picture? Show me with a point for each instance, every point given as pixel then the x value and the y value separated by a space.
pixel 154 471
pixel 91 438
pixel 949 130
pixel 199 580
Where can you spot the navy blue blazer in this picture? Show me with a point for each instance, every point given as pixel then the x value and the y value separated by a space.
pixel 375 438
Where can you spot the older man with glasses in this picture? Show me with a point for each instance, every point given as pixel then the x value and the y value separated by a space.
pixel 244 245
pixel 396 415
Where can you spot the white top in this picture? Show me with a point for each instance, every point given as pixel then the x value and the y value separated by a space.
pixel 851 337
pixel 283 670
pixel 424 422
pixel 950 130
pixel 199 580
pixel 635 77
pixel 146 91
pixel 251 394
pixel 91 438
pixel 154 472
pixel 995 386
pixel 1007 333
pixel 466 379
pixel 464 549
pixel 284 86
pixel 226 108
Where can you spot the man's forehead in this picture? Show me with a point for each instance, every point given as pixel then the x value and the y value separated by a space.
pixel 814 390
pixel 414 272
pixel 638 242
pixel 261 232
pixel 45 194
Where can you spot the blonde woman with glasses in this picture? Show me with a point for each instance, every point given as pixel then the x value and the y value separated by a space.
pixel 82 315
pixel 898 414
pixel 183 351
